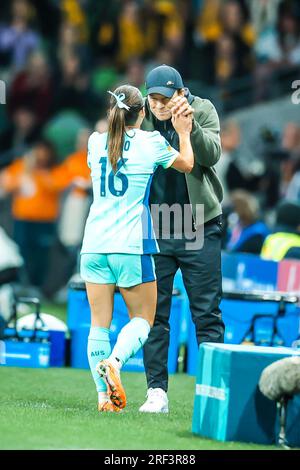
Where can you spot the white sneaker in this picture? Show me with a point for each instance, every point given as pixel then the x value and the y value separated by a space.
pixel 157 401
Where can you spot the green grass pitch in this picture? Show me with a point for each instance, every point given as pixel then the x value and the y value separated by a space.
pixel 56 409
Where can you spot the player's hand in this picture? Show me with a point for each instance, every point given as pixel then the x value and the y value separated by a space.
pixel 181 106
pixel 182 124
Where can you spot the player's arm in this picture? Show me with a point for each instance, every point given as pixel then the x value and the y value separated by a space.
pixel 185 158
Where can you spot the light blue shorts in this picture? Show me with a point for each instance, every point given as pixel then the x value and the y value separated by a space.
pixel 124 270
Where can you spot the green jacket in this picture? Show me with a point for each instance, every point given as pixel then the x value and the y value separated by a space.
pixel 203 185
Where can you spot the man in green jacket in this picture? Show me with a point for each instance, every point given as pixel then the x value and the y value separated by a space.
pixel 196 199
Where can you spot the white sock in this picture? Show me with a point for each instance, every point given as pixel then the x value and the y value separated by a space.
pixel 115 362
pixel 131 338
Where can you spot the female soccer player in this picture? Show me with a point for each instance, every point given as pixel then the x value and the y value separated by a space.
pixel 118 240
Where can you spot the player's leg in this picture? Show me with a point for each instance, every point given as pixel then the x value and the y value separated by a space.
pixel 157 346
pixel 141 303
pixel 137 283
pixel 136 280
pixel 94 270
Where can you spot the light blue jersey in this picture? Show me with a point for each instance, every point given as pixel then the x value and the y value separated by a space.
pixel 119 220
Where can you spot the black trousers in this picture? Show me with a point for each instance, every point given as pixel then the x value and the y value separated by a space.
pixel 201 272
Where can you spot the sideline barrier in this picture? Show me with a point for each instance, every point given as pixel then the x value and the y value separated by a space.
pixel 246 272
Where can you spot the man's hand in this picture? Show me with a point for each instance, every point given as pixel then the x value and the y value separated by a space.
pixel 182 124
pixel 181 106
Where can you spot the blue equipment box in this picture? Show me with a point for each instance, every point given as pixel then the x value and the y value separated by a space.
pixel 26 347
pixel 228 404
pixel 24 354
pixel 78 321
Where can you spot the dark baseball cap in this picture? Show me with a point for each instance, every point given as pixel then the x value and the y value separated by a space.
pixel 164 80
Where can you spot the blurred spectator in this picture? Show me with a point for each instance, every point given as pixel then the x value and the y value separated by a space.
pixel 264 17
pixel 289 165
pixel 62 131
pixel 291 140
pixel 208 22
pixel 47 17
pixel 70 44
pixel 285 241
pixel 10 260
pixel 232 58
pixel 17 39
pixel 20 135
pixel 172 16
pixel 73 90
pixel 143 28
pixel 76 204
pixel 291 143
pixel 103 21
pixel 35 185
pixel 33 88
pixel 74 210
pixel 233 50
pixel 249 232
pixel 230 141
pixel 218 17
pixel 263 14
pixel 135 75
pixel 131 35
pixel 104 78
pixel 225 41
pixel 68 39
pixel 11 264
pixel 233 172
pixel 164 55
pixel 235 21
pixel 293 190
pixel 74 14
pixel 285 49
pixel 279 49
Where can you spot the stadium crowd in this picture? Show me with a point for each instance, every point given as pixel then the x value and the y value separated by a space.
pixel 59 58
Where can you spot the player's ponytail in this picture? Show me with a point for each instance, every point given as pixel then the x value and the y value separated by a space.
pixel 125 105
pixel 116 133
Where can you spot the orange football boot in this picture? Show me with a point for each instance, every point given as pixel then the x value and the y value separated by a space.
pixel 108 406
pixel 112 377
